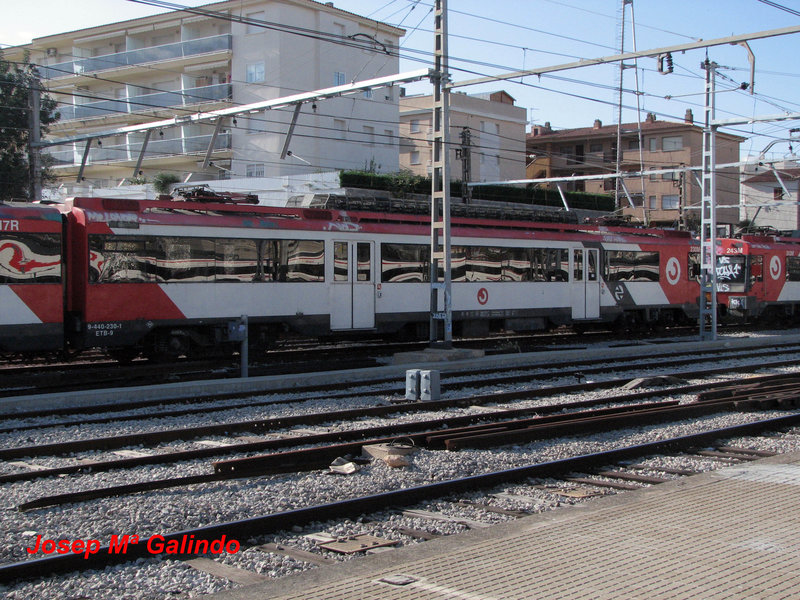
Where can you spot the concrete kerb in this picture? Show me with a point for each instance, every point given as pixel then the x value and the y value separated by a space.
pixel 288 383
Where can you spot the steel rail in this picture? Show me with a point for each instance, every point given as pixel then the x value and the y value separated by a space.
pixel 364 433
pixel 262 425
pixel 496 433
pixel 653 353
pixel 307 459
pixel 271 523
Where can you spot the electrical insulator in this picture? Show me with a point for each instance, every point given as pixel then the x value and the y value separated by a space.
pixel 665 64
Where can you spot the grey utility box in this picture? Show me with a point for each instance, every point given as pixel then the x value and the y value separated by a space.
pixel 429 387
pixel 412 385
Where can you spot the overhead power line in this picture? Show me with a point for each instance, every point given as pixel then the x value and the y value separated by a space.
pixel 781 7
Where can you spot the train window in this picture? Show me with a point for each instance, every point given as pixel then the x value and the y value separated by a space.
pixel 793 268
pixel 756 268
pixel 458 264
pixel 118 260
pixel 516 265
pixel 591 267
pixel 30 258
pixel 237 260
pixel 184 259
pixel 404 263
pixel 730 269
pixel 302 260
pixel 341 261
pixel 410 263
pixel 625 265
pixel 694 266
pixel 577 264
pixel 483 263
pixel 181 259
pixel 549 264
pixel 363 262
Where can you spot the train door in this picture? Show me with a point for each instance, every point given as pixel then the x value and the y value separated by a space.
pixel 353 288
pixel 585 283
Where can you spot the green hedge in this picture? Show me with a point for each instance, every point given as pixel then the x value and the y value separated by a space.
pixel 402 184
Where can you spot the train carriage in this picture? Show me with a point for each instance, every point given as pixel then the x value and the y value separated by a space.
pixel 166 277
pixel 31 278
pixel 759 277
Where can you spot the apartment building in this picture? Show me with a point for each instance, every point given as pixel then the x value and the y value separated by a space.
pixel 496 130
pixel 226 54
pixel 665 199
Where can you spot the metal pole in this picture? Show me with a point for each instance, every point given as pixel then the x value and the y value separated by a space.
pixel 618 158
pixel 466 165
pixel 708 214
pixel 440 189
pixel 34 134
pixel 243 353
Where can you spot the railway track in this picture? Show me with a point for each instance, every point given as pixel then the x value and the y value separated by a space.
pixel 595 464
pixel 455 433
pixel 211 482
pixel 97 371
pixel 384 385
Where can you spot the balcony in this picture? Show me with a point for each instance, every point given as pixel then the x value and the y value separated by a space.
pixel 140 56
pixel 71 155
pixel 133 104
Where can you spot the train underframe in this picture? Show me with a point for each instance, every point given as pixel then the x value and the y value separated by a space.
pixel 168 340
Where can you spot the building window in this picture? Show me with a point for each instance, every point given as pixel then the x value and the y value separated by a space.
pixel 254 20
pixel 255 72
pixel 653 144
pixel 652 202
pixel 670 143
pixel 368 94
pixel 339 78
pixel 415 157
pixel 670 202
pixel 595 147
pixel 671 176
pixel 369 135
pixel 633 144
pixel 255 170
pixel 414 126
pixel 340 126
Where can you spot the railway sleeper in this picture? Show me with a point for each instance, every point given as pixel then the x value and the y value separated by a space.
pixel 271 523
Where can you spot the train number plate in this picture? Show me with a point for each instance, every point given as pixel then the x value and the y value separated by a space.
pixel 104 329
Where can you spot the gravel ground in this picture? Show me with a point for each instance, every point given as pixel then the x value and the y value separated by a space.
pixel 181 508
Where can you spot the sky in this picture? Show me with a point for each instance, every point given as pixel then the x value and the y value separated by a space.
pixel 488 38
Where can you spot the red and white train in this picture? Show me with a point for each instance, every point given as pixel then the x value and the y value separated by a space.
pixel 165 278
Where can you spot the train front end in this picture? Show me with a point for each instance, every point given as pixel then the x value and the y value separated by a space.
pixel 31 278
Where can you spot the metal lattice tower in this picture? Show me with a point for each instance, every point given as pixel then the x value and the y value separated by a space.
pixel 708 214
pixel 441 287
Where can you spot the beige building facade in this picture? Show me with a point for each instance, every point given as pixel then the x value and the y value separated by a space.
pixel 667 199
pixel 496 129
pixel 225 54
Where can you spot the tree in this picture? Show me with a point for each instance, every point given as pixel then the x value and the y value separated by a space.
pixel 17 80
pixel 163 182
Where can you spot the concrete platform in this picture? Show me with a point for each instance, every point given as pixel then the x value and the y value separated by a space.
pixel 732 534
